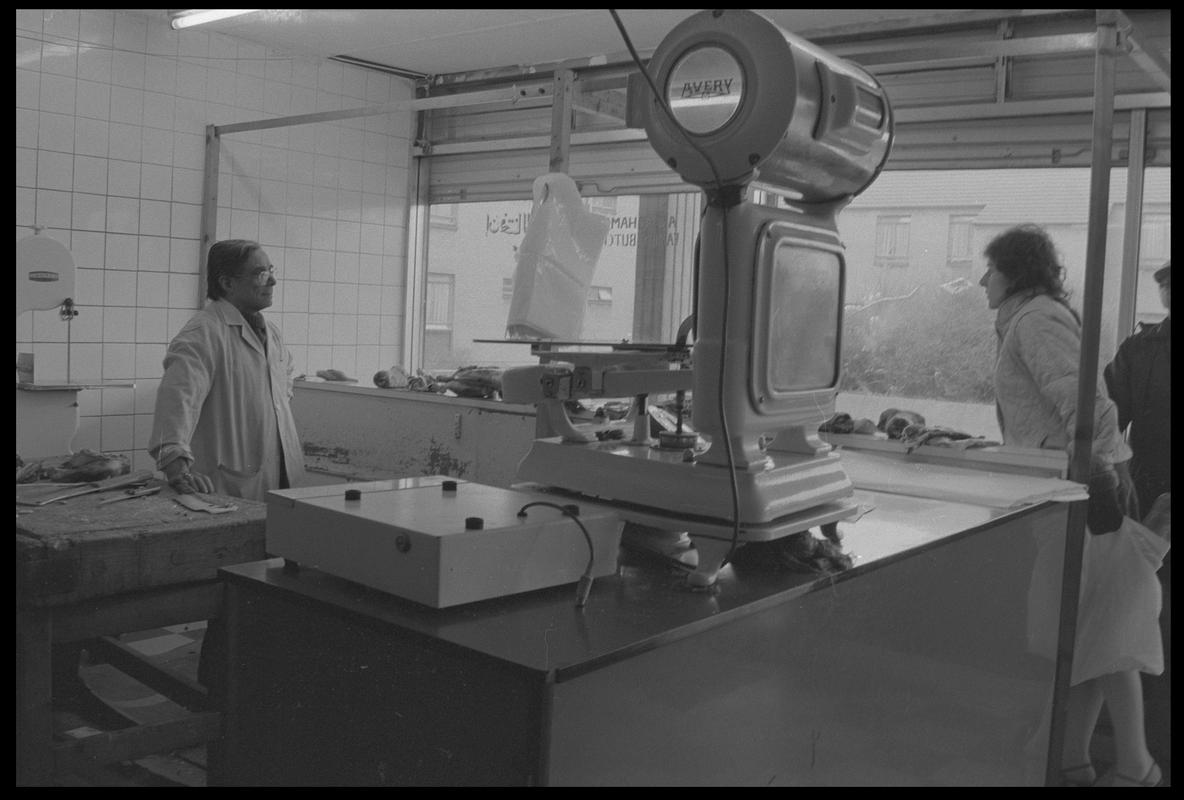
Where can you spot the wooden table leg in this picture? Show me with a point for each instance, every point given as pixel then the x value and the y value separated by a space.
pixel 34 697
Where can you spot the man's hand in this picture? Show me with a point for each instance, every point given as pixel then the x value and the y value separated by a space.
pixel 185 481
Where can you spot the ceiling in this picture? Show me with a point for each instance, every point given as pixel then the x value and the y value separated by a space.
pixel 441 41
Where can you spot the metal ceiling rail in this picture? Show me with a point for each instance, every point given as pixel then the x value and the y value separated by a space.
pixel 908 115
pixel 1027 108
pixel 1030 46
pixel 523 98
pixel 832 38
pixel 937 22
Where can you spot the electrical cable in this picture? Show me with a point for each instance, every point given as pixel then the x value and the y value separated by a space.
pixel 585 583
pixel 661 101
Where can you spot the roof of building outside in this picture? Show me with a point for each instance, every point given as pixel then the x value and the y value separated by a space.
pixel 992 197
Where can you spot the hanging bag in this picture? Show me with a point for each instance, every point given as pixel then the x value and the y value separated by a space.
pixel 556 262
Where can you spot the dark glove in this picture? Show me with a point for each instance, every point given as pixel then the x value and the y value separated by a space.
pixel 1105 510
pixel 184 481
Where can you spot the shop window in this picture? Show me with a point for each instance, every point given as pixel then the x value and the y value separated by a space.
pixel 916 338
pixel 652 236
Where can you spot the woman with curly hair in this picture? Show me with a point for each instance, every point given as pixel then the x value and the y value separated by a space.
pixel 1036 378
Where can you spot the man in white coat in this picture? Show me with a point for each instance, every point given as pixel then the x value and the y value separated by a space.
pixel 223 422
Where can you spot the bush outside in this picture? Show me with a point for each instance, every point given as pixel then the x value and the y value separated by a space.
pixel 935 343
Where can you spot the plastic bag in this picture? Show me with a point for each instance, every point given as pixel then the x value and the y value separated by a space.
pixel 556 262
pixel 1119 602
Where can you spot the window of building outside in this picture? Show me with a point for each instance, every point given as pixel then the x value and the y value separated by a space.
pixel 603 205
pixel 914 336
pixel 961 238
pixel 1155 249
pixel 892 240
pixel 439 317
pixel 443 215
pixel 600 295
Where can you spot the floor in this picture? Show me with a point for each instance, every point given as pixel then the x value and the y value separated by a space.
pixel 122 701
pixel 125 701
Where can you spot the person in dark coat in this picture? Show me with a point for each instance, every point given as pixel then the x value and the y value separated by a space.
pixel 1139 380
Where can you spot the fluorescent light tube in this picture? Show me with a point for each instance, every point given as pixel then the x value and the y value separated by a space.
pixel 187 19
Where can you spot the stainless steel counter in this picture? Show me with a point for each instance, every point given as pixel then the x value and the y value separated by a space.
pixel 918 652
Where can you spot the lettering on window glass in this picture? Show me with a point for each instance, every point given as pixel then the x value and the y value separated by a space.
pixel 510 224
pixel 622 232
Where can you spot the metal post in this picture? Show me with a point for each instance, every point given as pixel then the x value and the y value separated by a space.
pixel 209 208
pixel 1132 226
pixel 1079 468
pixel 419 215
pixel 561 120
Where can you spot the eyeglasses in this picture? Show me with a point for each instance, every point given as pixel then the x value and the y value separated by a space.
pixel 260 277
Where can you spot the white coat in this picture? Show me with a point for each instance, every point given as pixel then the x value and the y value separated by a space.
pixel 224 404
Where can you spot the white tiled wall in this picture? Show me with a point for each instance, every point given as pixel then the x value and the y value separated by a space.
pixel 111 111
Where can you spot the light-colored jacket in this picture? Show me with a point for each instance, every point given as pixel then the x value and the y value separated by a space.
pixel 224 404
pixel 1036 372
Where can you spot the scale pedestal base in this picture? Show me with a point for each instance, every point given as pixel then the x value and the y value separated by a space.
pixel 713 540
pixel 667 490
